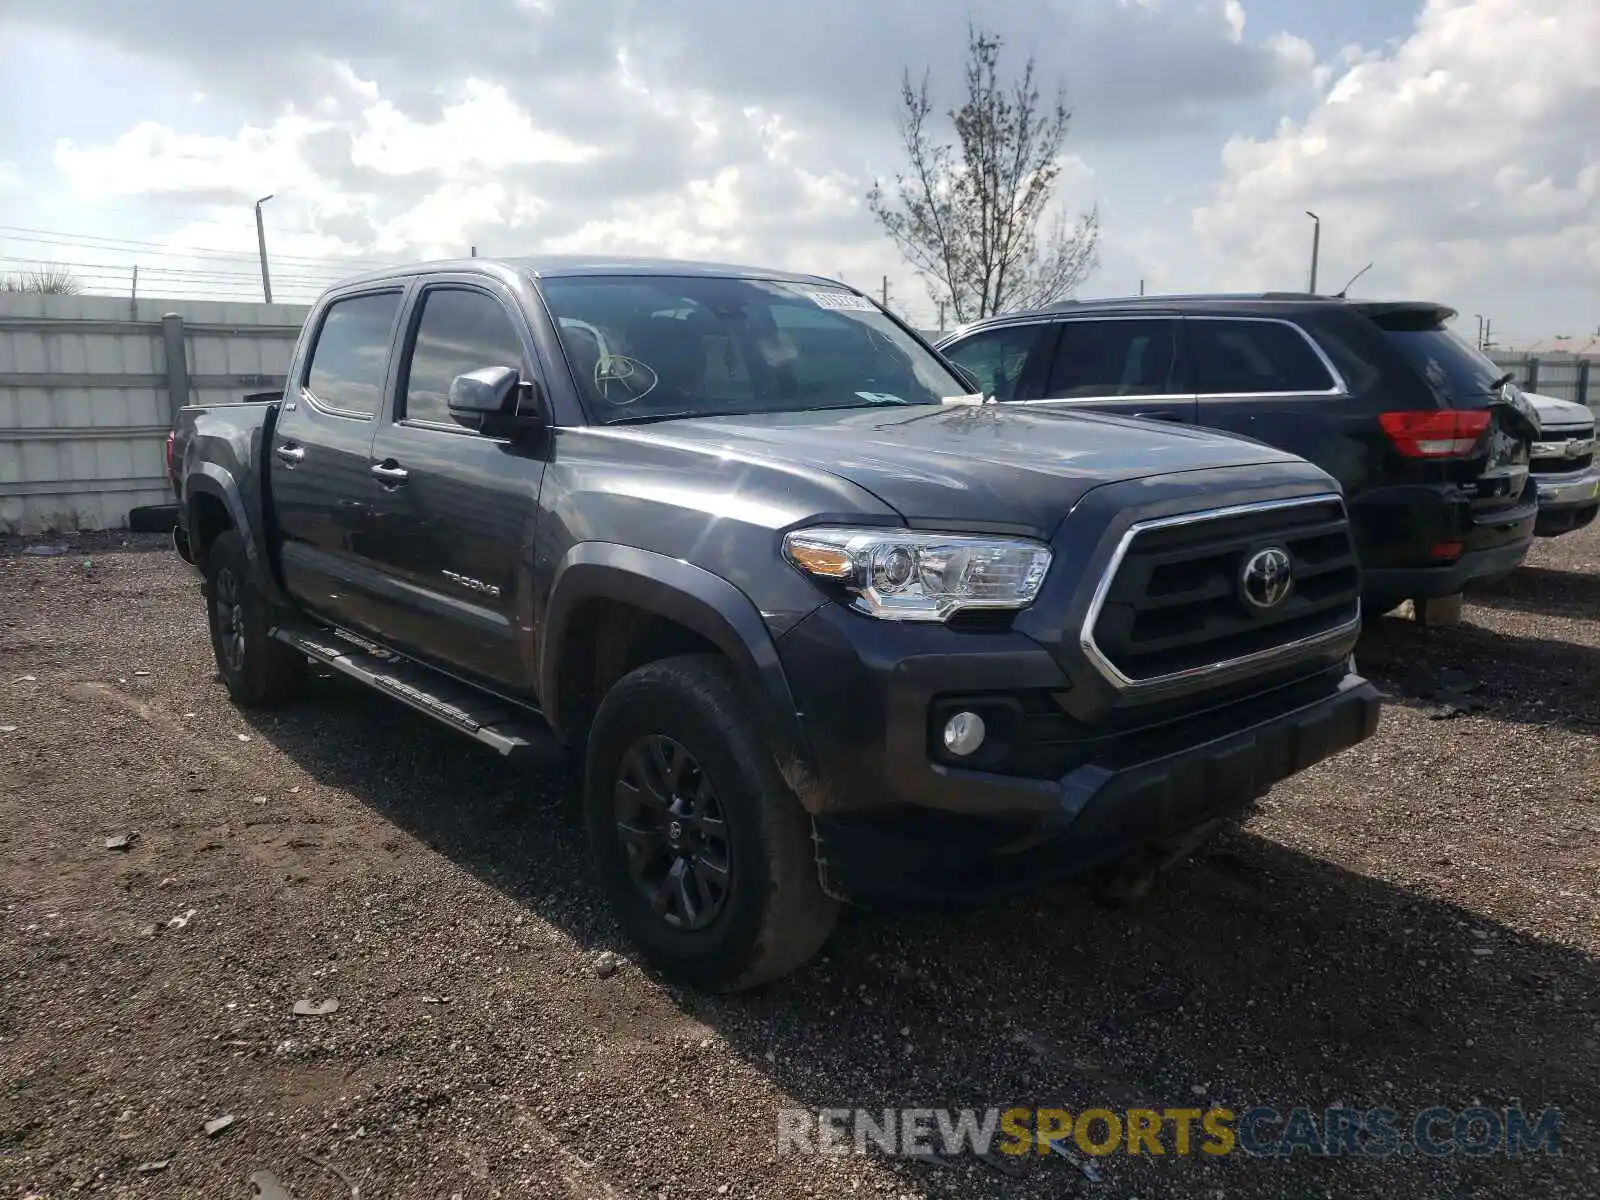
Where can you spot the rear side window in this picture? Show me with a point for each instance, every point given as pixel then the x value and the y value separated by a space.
pixel 1133 357
pixel 997 357
pixel 1454 369
pixel 461 330
pixel 1246 357
pixel 352 354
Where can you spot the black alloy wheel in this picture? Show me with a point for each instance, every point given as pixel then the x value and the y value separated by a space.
pixel 230 619
pixel 670 822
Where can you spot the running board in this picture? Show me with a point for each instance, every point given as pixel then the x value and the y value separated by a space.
pixel 502 727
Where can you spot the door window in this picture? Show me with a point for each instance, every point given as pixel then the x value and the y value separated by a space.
pixel 1131 357
pixel 1246 357
pixel 351 356
pixel 997 357
pixel 461 330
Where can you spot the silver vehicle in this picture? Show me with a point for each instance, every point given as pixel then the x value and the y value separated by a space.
pixel 1564 466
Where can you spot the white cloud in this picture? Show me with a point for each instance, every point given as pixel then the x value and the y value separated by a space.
pixel 706 127
pixel 482 130
pixel 10 177
pixel 1464 161
pixel 152 159
pixel 1234 12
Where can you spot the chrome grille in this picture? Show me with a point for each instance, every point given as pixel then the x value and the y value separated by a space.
pixel 1174 603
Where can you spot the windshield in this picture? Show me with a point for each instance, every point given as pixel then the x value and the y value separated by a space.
pixel 653 347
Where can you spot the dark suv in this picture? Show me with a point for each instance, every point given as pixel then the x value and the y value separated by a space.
pixel 1428 440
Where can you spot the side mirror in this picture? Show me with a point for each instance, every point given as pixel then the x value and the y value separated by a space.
pixel 488 390
pixel 496 401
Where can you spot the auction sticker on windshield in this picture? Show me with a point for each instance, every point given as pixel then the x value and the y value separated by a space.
pixel 831 298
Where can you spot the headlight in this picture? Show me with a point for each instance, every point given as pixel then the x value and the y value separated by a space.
pixel 906 575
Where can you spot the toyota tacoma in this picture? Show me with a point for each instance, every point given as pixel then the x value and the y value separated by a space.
pixel 820 625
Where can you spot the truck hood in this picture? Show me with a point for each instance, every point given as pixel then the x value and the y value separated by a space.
pixel 1559 414
pixel 996 465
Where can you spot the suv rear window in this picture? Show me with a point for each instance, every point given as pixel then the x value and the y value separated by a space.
pixel 1454 369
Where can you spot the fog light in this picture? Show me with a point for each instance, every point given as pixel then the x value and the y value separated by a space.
pixel 964 733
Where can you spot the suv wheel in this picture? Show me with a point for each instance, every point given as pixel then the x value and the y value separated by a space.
pixel 704 852
pixel 256 668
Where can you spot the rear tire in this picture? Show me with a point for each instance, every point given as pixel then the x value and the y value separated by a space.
pixel 703 851
pixel 257 669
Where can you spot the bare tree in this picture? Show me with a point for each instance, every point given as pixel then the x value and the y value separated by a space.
pixel 50 280
pixel 967 215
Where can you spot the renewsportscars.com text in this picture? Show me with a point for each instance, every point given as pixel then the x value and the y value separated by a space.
pixel 1260 1132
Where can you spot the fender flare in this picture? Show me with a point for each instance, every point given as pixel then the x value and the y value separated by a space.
pixel 692 597
pixel 209 479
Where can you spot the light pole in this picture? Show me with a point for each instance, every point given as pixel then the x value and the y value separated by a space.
pixel 261 242
pixel 1316 245
pixel 1480 329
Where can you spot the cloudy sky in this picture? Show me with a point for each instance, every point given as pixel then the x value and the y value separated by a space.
pixel 1455 144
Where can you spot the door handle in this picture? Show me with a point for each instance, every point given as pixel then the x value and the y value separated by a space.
pixel 291 454
pixel 390 473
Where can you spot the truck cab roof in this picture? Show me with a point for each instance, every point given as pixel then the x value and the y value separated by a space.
pixel 553 266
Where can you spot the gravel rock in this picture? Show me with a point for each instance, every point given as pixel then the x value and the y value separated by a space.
pixel 1322 951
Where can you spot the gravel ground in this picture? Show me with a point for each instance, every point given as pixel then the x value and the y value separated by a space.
pixel 1415 923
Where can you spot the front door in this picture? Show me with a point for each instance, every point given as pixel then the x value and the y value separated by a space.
pixel 317 460
pixel 1008 361
pixel 455 523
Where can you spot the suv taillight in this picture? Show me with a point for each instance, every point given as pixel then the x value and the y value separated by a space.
pixel 172 440
pixel 1435 433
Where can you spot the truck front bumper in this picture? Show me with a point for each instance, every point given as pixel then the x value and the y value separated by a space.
pixel 896 818
pixel 1567 501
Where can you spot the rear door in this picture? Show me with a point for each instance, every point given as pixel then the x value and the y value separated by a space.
pixel 454 523
pixel 321 491
pixel 1131 366
pixel 1265 378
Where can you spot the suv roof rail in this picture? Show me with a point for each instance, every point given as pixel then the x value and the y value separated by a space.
pixel 1157 298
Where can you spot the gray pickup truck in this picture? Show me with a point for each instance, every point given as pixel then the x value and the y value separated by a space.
pixel 821 626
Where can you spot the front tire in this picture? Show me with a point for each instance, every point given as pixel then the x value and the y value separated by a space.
pixel 704 853
pixel 257 669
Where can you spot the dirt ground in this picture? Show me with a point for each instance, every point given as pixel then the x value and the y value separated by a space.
pixel 1415 923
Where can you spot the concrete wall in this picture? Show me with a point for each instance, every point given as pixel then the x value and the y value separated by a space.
pixel 1561 376
pixel 88 391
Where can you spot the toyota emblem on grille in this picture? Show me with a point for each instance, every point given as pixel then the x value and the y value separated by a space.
pixel 1267 578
